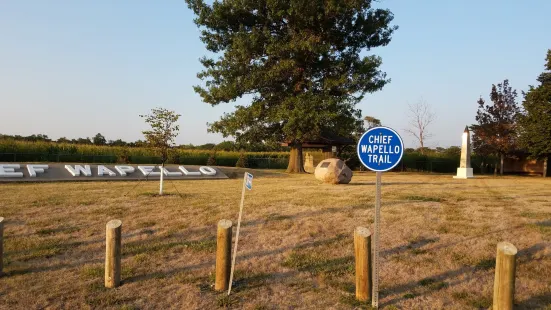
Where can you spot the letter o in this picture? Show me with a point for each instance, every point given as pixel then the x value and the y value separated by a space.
pixel 397 149
pixel 207 170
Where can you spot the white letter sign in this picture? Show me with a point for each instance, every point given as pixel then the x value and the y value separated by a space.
pixel 123 170
pixel 148 171
pixel 8 171
pixel 102 170
pixel 54 172
pixel 86 171
pixel 207 170
pixel 171 173
pixel 184 170
pixel 33 169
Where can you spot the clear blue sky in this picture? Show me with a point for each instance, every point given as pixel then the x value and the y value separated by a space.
pixel 76 68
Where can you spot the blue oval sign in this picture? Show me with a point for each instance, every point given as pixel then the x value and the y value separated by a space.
pixel 380 149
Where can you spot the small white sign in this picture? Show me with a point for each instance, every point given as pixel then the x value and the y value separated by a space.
pixel 249 181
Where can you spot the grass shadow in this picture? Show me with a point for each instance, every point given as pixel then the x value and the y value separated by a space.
pixel 542 301
pixel 415 245
pixel 429 284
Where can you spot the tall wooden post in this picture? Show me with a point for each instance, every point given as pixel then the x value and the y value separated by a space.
pixel 1 245
pixel 113 254
pixel 362 254
pixel 504 282
pixel 223 255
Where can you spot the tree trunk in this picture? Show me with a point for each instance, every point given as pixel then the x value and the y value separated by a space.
pixel 545 167
pixel 482 170
pixel 296 163
pixel 495 170
pixel 501 165
pixel 162 179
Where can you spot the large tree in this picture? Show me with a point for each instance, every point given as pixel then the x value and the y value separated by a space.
pixel 497 130
pixel 420 117
pixel 535 122
pixel 298 60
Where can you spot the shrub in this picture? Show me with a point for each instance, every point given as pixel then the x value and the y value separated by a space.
pixel 212 159
pixel 174 159
pixel 123 157
pixel 242 161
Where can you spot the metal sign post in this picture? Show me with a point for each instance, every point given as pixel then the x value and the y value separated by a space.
pixel 379 149
pixel 375 293
pixel 248 184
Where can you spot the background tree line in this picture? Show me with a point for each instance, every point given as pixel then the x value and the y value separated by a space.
pixel 506 128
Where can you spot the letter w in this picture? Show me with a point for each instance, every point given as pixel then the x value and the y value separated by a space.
pixel 86 171
pixel 364 148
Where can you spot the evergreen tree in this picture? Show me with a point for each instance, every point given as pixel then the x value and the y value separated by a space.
pixel 497 132
pixel 299 60
pixel 535 122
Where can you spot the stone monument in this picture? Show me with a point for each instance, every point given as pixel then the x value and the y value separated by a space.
pixel 465 171
pixel 309 163
pixel 333 171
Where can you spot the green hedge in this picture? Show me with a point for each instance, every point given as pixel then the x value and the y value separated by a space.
pixel 23 151
pixel 439 164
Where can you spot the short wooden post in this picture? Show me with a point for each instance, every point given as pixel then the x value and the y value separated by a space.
pixel 113 254
pixel 1 245
pixel 223 255
pixel 504 282
pixel 362 254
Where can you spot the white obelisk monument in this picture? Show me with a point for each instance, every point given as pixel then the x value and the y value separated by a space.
pixel 465 171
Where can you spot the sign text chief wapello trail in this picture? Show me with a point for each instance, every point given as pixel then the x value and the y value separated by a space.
pixel 380 147
pixel 15 170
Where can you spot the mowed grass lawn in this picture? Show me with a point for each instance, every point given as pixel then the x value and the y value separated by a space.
pixel 438 242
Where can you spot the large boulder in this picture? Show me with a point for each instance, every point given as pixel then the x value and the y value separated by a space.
pixel 333 171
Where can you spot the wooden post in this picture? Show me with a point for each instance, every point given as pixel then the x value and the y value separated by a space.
pixel 223 255
pixel 504 282
pixel 113 254
pixel 362 254
pixel 1 245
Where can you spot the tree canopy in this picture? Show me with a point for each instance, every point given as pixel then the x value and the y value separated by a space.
pixel 298 60
pixel 497 132
pixel 372 122
pixel 163 130
pixel 99 139
pixel 535 121
pixel 420 117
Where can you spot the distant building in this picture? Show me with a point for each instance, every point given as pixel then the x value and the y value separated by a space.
pixel 519 163
pixel 330 143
